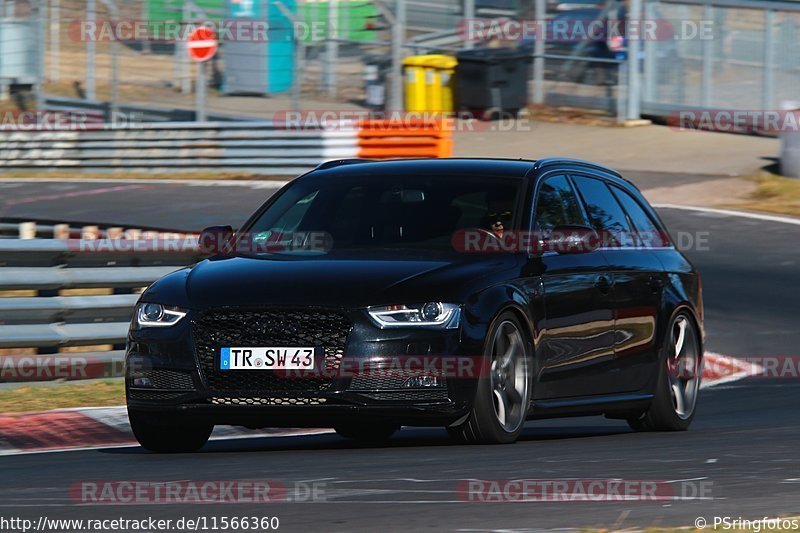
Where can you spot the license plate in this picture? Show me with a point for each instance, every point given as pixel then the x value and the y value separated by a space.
pixel 273 358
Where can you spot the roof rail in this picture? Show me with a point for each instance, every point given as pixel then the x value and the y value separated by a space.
pixel 563 160
pixel 339 162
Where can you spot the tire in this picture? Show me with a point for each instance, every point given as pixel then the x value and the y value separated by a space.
pixel 168 433
pixel 675 402
pixel 498 412
pixel 368 433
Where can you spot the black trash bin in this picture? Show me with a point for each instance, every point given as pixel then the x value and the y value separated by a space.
pixel 492 80
pixel 376 74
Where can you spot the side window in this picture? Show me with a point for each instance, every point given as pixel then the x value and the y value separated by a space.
pixel 557 205
pixel 605 214
pixel 650 234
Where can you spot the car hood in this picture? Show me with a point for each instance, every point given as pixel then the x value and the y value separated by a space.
pixel 329 281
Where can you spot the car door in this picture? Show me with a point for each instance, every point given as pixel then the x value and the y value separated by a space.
pixel 637 281
pixel 576 337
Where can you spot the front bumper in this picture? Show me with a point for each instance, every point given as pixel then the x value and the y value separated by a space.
pixel 181 381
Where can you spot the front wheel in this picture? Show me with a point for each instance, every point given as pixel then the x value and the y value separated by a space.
pixel 168 434
pixel 503 397
pixel 679 378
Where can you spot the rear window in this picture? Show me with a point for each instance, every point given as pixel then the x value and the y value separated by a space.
pixel 648 232
pixel 605 214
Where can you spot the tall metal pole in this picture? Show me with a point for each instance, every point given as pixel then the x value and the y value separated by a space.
pixel 200 93
pixel 91 53
pixel 538 52
pixel 55 44
pixel 634 46
pixel 398 39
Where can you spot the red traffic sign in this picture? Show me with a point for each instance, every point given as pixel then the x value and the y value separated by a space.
pixel 202 44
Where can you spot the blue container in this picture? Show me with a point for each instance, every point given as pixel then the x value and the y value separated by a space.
pixel 253 67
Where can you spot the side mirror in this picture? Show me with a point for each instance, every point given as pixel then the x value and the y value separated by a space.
pixel 572 240
pixel 215 239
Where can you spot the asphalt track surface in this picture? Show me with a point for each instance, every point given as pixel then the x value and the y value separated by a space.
pixel 741 447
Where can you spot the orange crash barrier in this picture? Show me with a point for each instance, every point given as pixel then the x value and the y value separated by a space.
pixel 385 139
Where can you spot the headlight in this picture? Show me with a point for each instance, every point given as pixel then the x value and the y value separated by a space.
pixel 435 315
pixel 149 315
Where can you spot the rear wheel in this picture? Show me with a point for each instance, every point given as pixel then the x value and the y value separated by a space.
pixel 168 433
pixel 503 397
pixel 678 386
pixel 367 432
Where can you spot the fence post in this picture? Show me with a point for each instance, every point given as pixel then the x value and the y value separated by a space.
pixel 538 52
pixel 114 12
pixel 55 37
pixel 39 27
pixel 768 74
pixel 180 50
pixel 91 53
pixel 331 47
pixel 398 38
pixel 649 64
pixel 634 46
pixel 469 16
pixel 708 62
pixel 623 92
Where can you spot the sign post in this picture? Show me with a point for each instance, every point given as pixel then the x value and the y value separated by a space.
pixel 201 45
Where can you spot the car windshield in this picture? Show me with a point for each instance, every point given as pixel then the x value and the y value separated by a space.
pixel 380 212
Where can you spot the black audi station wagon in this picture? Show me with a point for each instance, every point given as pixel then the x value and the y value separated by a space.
pixel 471 294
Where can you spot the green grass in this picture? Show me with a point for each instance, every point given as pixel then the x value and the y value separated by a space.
pixel 45 396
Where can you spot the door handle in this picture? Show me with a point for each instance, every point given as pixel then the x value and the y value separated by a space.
pixel 656 284
pixel 603 284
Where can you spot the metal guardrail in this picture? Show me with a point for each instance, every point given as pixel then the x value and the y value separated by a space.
pixel 259 147
pixel 267 148
pixel 50 320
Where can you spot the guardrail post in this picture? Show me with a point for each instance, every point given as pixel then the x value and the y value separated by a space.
pixel 27 230
pixel 90 233
pixel 61 231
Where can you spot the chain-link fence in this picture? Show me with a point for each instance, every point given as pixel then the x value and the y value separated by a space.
pixel 749 60
pixel 315 54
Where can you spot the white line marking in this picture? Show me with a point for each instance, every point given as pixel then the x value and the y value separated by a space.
pixel 732 213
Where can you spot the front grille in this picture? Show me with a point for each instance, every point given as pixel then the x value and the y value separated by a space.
pixel 219 328
pixel 155 395
pixel 167 379
pixel 377 379
pixel 411 395
pixel 267 401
